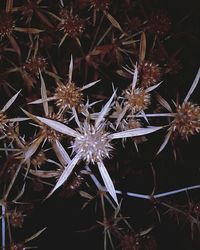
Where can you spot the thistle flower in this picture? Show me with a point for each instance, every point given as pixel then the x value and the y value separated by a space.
pixel 187 120
pixel 34 65
pixel 39 159
pixel 16 218
pixel 72 25
pixel 68 95
pixel 134 99
pixel 92 144
pixel 137 99
pixel 7 24
pixel 159 23
pixel 149 74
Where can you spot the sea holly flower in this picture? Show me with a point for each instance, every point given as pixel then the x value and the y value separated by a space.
pixel 186 118
pixel 134 99
pixel 68 95
pixel 92 143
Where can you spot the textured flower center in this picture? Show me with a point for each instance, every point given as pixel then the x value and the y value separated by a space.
pixel 93 143
pixel 150 74
pixel 137 99
pixel 73 26
pixel 187 119
pixel 68 96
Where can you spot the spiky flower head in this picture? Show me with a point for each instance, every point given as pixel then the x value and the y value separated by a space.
pixel 34 65
pixel 16 218
pixel 159 23
pixel 100 4
pixel 7 24
pixel 68 96
pixel 72 25
pixel 187 120
pixel 149 73
pixel 138 99
pixel 39 159
pixel 93 143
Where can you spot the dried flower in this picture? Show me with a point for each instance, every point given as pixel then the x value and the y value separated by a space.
pixel 16 218
pixel 7 24
pixel 149 74
pixel 89 135
pixel 138 99
pixel 68 96
pixel 39 159
pixel 187 120
pixel 72 25
pixel 34 65
pixel 93 143
pixel 159 23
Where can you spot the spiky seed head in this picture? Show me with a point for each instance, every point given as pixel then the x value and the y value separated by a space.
pixel 138 99
pixel 159 23
pixel 7 24
pixel 72 25
pixel 16 218
pixel 187 120
pixel 93 143
pixel 34 65
pixel 149 73
pixel 68 96
pixel 39 159
pixel 100 4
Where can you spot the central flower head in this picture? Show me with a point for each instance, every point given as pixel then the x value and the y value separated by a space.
pixel 93 143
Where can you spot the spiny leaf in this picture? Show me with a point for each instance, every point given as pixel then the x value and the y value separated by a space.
pixel 113 21
pixel 44 95
pixel 134 132
pixel 104 110
pixel 28 30
pixel 142 47
pixel 89 85
pixel 66 173
pixel 71 69
pixel 107 181
pixel 32 148
pixel 58 126
pixel 10 102
pixel 35 235
pixel 61 153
